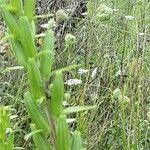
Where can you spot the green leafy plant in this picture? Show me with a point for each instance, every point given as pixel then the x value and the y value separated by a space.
pixel 6 133
pixel 49 127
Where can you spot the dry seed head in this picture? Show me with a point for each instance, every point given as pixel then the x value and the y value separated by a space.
pixel 61 15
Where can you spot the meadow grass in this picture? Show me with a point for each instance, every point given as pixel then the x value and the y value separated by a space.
pixel 118 47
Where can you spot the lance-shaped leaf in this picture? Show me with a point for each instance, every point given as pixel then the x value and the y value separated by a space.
pixel 35 80
pixel 29 9
pixel 26 37
pixel 35 113
pixel 18 51
pixel 77 141
pixel 49 41
pixel 6 139
pixel 63 139
pixel 40 140
pixel 46 58
pixel 76 109
pixel 47 54
pixel 4 121
pixel 33 29
pixel 11 21
pixel 57 94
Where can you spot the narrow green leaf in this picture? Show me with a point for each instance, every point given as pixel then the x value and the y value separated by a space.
pixel 18 51
pixel 49 41
pixel 35 80
pixel 16 6
pixel 12 69
pixel 57 94
pixel 46 58
pixel 26 37
pixel 63 139
pixel 40 140
pixel 33 29
pixel 29 9
pixel 68 68
pixel 29 135
pixel 47 54
pixel 78 109
pixel 10 141
pixel 35 113
pixel 76 142
pixel 11 21
pixel 1 144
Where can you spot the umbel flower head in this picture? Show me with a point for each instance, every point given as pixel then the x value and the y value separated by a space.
pixel 73 82
pixel 70 40
pixel 104 13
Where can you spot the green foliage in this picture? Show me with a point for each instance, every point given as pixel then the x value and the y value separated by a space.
pixel 35 79
pixel 57 92
pixel 63 139
pixel 11 21
pixel 111 41
pixel 15 6
pixel 49 127
pixel 26 38
pixel 47 54
pixel 77 142
pixel 40 140
pixel 29 9
pixel 36 115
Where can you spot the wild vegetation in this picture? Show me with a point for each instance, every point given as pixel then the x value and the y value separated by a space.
pixel 75 75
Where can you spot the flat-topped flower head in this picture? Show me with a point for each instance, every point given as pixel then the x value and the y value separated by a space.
pixel 73 82
pixel 129 17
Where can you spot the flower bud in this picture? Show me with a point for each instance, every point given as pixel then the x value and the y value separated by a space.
pixel 70 39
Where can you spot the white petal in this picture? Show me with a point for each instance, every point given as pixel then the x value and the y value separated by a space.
pixel 141 33
pixel 94 72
